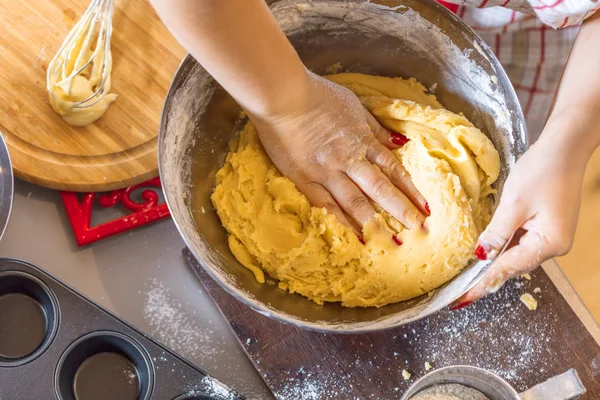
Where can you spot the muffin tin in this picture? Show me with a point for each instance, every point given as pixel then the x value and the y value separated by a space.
pixel 57 344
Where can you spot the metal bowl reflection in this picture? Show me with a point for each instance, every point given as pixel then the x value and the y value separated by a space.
pixel 6 185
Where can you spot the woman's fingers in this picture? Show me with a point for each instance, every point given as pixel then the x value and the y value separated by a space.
pixel 391 140
pixel 378 187
pixel 393 169
pixel 352 200
pixel 516 261
pixel 318 196
pixel 505 222
pixel 379 153
pixel 380 177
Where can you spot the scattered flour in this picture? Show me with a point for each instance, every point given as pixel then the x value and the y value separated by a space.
pixel 510 353
pixel 173 327
pixel 172 324
pixel 443 339
pixel 313 386
pixel 215 389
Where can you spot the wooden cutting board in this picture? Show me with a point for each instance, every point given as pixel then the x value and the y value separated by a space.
pixel 498 333
pixel 119 149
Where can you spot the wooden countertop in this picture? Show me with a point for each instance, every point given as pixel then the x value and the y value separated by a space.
pixel 498 333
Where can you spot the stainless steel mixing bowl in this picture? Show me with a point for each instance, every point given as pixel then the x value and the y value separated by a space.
pixel 410 38
pixel 6 185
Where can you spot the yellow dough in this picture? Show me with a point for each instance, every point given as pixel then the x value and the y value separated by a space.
pixel 273 228
pixel 80 89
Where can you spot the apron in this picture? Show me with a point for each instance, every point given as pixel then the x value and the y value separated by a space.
pixel 532 40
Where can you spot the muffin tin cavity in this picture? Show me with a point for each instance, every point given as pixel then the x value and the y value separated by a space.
pixel 104 365
pixel 29 317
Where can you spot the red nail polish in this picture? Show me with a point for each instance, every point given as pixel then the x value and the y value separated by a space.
pixel 398 139
pixel 460 305
pixel 480 253
pixel 361 240
pixel 427 208
pixel 396 240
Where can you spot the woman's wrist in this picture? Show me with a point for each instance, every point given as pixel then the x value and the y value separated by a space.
pixel 286 93
pixel 573 132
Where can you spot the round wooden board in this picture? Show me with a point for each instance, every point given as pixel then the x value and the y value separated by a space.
pixel 119 149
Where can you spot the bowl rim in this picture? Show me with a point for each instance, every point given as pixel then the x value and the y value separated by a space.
pixel 471 368
pixel 350 328
pixel 7 185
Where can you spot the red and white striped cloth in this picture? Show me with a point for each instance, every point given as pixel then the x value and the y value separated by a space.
pixel 533 54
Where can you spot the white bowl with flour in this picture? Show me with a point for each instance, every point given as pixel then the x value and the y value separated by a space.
pixel 465 382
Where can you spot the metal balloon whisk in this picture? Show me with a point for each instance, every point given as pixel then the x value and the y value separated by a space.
pixel 85 52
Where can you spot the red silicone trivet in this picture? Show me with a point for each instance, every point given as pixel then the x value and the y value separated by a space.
pixel 80 207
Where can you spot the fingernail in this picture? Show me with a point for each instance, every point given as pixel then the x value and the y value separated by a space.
pixel 396 240
pixel 458 306
pixel 361 240
pixel 424 228
pixel 427 208
pixel 398 139
pixel 480 253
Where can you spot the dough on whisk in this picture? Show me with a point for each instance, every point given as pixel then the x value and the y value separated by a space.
pixel 81 98
pixel 81 88
pixel 451 162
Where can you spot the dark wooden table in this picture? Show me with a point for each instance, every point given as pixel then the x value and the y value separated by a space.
pixel 498 333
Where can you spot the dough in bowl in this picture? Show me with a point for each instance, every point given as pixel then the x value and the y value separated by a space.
pixel 273 228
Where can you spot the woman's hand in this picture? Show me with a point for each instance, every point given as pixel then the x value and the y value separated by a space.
pixel 317 133
pixel 339 156
pixel 538 211
pixel 540 204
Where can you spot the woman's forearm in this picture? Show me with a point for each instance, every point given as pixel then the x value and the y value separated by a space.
pixel 240 44
pixel 574 121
